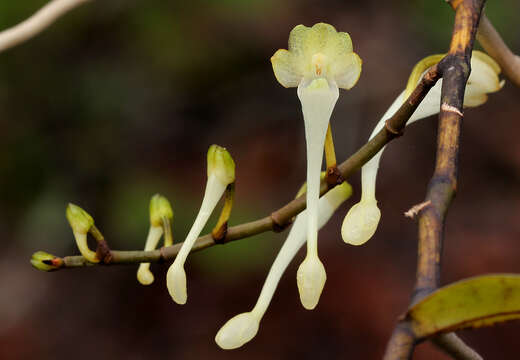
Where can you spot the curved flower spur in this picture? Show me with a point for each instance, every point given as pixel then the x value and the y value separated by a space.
pixel 361 221
pixel 243 327
pixel 319 61
pixel 221 173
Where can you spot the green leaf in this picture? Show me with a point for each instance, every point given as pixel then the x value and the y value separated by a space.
pixel 471 303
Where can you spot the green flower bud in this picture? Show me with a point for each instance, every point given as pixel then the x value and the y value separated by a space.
pixel 221 164
pixel 159 207
pixel 44 261
pixel 80 221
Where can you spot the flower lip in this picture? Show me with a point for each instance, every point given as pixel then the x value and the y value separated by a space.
pixel 317 51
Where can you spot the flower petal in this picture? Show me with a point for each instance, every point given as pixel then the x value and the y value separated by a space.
pixel 297 39
pixel 484 76
pixel 430 105
pixel 346 71
pixel 341 45
pixel 286 70
pixel 319 39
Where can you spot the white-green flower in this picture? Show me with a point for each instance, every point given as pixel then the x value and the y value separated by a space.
pixel 221 173
pixel 319 61
pixel 243 327
pixel 362 219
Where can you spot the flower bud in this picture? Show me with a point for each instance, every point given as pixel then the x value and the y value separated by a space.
pixel 221 164
pixel 159 207
pixel 44 261
pixel 80 221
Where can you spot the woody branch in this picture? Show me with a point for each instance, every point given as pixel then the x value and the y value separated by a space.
pixel 455 69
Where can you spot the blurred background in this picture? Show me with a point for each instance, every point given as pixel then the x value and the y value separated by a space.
pixel 120 99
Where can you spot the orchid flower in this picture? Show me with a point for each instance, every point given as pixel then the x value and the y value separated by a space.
pixel 362 219
pixel 243 327
pixel 319 61
pixel 161 214
pixel 221 173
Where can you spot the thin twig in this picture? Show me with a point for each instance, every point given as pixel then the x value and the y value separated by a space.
pixel 452 345
pixel 34 25
pixel 492 42
pixel 455 69
pixel 416 209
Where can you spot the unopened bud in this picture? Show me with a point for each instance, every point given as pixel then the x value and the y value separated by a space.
pixel 159 208
pixel 44 261
pixel 80 221
pixel 221 164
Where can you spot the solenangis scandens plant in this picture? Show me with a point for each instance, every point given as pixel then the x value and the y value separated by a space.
pixel 319 61
pixel 160 212
pixel 362 219
pixel 221 173
pixel 243 327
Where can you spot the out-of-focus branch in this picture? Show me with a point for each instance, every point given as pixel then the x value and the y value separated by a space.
pixel 281 218
pixel 492 42
pixel 452 345
pixel 455 69
pixel 34 25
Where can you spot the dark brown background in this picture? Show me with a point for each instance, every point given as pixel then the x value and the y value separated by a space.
pixel 120 99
